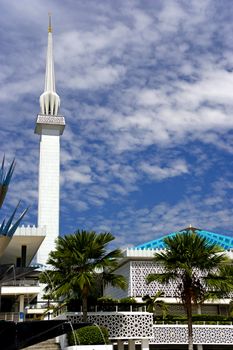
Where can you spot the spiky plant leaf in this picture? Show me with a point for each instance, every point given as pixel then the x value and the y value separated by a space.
pixel 7 228
pixel 5 178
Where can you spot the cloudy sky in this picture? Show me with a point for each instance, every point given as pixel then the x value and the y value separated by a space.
pixel 146 88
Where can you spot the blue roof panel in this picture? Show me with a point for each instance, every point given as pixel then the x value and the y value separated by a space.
pixel 223 241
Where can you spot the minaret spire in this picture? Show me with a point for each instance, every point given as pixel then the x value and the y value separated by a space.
pixel 49 100
pixel 50 23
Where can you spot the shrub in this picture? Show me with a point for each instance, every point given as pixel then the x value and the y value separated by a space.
pixel 108 300
pixel 197 319
pixel 89 335
pixel 128 300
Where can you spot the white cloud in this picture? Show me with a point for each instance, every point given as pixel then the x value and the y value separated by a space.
pixel 150 97
pixel 176 168
pixel 76 176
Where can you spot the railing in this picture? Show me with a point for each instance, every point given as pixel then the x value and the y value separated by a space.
pixel 42 305
pixel 9 316
pixel 20 283
pixel 200 323
pixel 120 307
pixel 61 310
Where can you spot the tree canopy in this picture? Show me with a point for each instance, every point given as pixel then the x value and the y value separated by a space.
pixel 76 264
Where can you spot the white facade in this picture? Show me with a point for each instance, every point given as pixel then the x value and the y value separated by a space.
pixel 49 126
pixel 135 265
pixel 31 237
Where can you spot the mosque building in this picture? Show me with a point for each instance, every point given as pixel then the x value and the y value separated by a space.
pixel 30 246
pixel 138 263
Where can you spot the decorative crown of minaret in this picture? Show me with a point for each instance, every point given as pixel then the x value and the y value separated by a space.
pixel 49 100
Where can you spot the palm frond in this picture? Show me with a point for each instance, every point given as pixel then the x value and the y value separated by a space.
pixel 115 280
pixel 163 278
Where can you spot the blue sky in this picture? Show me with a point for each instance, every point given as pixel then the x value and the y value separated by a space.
pixel 147 91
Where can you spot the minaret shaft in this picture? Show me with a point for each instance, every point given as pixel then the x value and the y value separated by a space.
pixel 49 183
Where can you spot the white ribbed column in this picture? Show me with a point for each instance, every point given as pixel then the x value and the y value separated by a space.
pixel 199 347
pixel 145 344
pixel 120 344
pixel 131 344
pixel 48 201
pixel 21 308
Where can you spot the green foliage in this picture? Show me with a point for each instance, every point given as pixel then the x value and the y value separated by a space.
pixel 231 307
pixel 107 300
pixel 89 335
pixel 196 319
pixel 79 261
pixel 217 318
pixel 152 303
pixel 128 300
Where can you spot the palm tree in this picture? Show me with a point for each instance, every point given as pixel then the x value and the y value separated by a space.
pixel 76 263
pixel 152 303
pixel 197 265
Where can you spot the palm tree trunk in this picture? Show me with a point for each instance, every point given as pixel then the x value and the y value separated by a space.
pixel 84 308
pixel 190 323
pixel 0 297
pixel 200 346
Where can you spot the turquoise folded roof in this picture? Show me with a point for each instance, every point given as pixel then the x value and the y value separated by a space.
pixel 223 241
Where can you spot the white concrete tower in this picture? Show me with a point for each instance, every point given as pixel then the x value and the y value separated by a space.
pixel 50 126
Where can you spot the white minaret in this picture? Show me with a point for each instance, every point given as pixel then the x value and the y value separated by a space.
pixel 50 126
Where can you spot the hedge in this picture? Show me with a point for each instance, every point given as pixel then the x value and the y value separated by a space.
pixel 128 300
pixel 107 300
pixel 195 318
pixel 89 335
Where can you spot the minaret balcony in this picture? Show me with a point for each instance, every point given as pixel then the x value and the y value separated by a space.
pixel 45 121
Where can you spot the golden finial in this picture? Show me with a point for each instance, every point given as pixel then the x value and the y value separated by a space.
pixel 50 23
